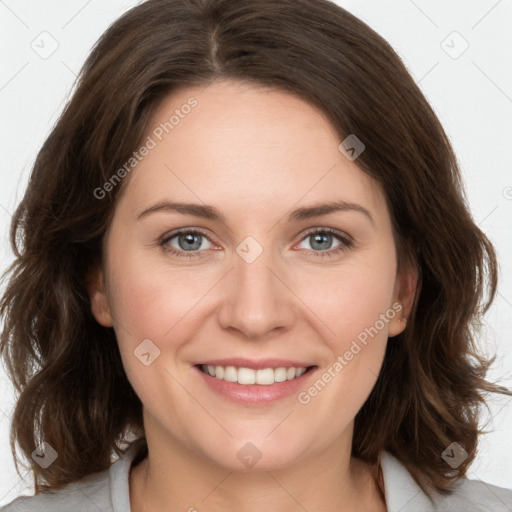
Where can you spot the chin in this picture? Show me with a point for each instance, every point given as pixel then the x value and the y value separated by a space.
pixel 255 455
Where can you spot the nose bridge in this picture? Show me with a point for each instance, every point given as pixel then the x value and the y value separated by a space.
pixel 257 301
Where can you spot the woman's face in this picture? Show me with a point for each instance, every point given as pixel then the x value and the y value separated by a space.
pixel 262 281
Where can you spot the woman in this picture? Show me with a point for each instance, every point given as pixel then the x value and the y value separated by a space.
pixel 246 253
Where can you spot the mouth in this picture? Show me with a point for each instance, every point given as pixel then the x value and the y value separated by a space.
pixel 250 376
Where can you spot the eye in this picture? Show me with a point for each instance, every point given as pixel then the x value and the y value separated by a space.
pixel 322 238
pixel 187 244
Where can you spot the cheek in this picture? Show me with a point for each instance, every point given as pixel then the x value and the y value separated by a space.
pixel 351 300
pixel 357 311
pixel 149 298
pixel 359 315
pixel 155 312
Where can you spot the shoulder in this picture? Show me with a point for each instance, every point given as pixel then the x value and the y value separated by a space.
pixel 477 496
pixel 107 491
pixel 88 495
pixel 403 494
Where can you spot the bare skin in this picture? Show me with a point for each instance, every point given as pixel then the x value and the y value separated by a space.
pixel 255 155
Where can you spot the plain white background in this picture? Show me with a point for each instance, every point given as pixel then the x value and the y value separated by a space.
pixel 458 51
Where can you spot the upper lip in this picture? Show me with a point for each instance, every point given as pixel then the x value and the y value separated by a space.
pixel 256 364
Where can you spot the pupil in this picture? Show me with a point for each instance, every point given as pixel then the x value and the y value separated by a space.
pixel 189 239
pixel 320 238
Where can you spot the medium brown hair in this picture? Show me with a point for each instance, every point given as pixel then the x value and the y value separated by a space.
pixel 66 367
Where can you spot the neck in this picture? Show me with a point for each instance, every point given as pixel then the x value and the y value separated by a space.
pixel 172 477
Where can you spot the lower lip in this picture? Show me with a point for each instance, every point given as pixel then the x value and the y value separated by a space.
pixel 255 394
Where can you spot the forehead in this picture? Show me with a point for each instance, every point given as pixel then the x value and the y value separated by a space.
pixel 245 148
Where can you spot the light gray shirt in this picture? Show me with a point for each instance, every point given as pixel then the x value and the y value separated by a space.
pixel 108 491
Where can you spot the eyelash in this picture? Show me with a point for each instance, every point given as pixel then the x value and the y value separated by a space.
pixel 346 242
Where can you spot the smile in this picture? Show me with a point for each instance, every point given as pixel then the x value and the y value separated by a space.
pixel 248 376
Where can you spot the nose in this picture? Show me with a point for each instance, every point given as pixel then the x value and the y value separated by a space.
pixel 256 302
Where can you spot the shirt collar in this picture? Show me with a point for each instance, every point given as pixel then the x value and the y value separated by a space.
pixel 402 493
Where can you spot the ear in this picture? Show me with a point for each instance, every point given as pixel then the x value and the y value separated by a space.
pixel 405 289
pixel 99 302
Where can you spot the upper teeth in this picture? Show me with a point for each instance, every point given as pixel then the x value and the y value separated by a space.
pixel 265 376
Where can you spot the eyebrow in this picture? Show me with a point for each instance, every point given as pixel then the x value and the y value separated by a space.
pixel 209 212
